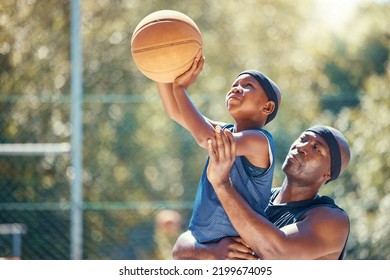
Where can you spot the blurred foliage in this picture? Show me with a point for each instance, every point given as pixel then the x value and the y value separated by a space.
pixel 332 70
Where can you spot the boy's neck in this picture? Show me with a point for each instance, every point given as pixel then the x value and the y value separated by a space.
pixel 241 126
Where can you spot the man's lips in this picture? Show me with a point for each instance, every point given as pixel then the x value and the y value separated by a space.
pixel 293 156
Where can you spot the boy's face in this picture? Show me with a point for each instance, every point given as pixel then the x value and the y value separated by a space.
pixel 246 96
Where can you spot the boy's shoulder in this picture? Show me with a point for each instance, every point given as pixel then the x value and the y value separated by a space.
pixel 231 126
pixel 266 133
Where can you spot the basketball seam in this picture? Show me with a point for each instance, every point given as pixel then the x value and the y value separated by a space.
pixel 138 28
pixel 166 45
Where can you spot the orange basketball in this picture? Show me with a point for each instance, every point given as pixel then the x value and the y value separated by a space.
pixel 164 45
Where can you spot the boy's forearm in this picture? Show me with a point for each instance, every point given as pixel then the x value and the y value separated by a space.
pixel 168 99
pixel 195 122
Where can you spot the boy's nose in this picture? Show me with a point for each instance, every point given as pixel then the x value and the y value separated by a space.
pixel 237 88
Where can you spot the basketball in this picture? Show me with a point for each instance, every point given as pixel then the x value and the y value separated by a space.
pixel 164 45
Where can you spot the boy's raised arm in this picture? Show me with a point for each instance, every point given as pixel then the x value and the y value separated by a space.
pixel 169 102
pixel 199 126
pixel 180 108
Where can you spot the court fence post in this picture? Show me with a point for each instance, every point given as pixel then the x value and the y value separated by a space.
pixel 76 229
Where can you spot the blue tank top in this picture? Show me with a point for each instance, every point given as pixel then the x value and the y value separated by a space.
pixel 209 221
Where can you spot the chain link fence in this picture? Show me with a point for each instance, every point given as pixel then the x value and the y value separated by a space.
pixel 125 182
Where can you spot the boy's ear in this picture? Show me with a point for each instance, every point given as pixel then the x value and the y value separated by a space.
pixel 269 107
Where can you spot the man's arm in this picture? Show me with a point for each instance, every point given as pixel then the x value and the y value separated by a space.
pixel 186 248
pixel 320 234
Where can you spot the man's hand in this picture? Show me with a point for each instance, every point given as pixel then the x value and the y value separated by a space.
pixel 231 248
pixel 228 248
pixel 222 152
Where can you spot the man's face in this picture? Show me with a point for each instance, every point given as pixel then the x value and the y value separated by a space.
pixel 308 159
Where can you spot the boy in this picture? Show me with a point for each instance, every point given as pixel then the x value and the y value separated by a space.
pixel 253 101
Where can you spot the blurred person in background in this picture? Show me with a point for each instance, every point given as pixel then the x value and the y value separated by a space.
pixel 167 229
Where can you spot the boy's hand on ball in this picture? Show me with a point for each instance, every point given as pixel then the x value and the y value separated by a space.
pixel 192 74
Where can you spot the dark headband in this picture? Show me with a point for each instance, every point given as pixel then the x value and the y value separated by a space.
pixel 268 88
pixel 335 156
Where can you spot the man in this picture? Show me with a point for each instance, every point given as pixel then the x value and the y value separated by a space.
pixel 302 224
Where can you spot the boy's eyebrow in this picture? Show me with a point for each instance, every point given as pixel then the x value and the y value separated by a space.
pixel 246 79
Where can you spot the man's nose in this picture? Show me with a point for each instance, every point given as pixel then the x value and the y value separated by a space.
pixel 302 148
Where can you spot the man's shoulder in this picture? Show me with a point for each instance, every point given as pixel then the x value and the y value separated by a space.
pixel 327 213
pixel 323 208
pixel 328 222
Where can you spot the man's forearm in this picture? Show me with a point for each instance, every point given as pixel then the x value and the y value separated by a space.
pixel 254 229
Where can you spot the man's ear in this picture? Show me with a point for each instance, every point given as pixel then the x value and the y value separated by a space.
pixel 327 176
pixel 268 108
